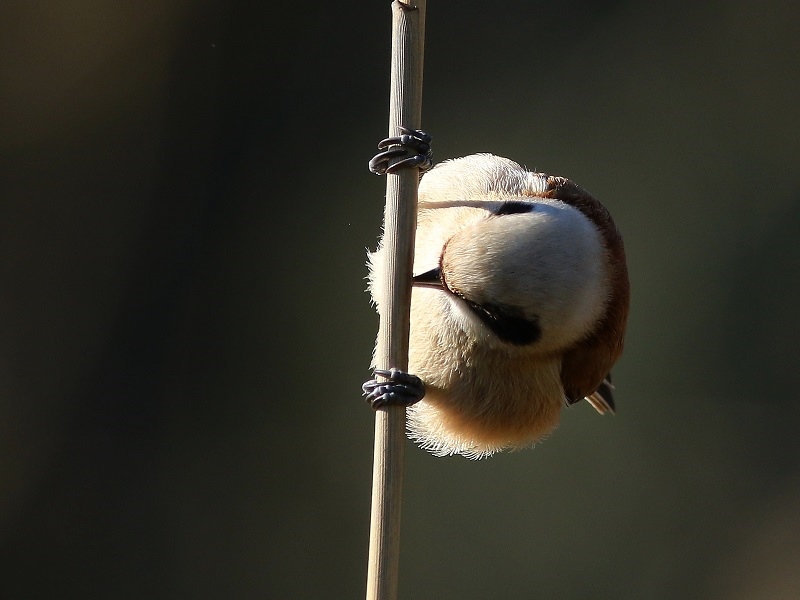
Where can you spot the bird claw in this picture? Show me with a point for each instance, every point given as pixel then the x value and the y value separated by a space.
pixel 413 144
pixel 401 389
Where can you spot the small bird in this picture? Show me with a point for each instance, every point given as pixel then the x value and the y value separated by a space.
pixel 519 304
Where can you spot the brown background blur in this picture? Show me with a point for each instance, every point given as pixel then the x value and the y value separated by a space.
pixel 184 329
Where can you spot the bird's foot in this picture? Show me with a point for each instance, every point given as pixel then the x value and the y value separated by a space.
pixel 412 146
pixel 401 389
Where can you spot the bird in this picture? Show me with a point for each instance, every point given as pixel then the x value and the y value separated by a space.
pixel 519 304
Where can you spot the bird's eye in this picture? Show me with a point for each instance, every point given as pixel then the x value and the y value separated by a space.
pixel 513 208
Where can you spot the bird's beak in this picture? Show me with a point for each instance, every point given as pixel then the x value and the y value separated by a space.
pixel 431 279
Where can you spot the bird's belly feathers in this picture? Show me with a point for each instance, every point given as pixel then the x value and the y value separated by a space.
pixel 478 400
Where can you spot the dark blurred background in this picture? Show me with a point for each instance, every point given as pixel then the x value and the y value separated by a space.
pixel 184 330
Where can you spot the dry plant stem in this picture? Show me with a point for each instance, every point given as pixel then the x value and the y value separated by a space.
pixel 400 221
